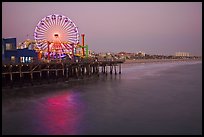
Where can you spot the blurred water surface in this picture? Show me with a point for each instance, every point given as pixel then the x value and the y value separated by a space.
pixel 151 98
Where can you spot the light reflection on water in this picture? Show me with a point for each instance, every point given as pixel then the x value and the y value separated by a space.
pixel 60 114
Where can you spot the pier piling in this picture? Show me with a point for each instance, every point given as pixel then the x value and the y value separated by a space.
pixel 23 74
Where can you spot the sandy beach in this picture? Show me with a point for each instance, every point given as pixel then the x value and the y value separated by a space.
pixel 158 60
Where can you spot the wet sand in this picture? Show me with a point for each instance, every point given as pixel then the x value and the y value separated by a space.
pixel 158 60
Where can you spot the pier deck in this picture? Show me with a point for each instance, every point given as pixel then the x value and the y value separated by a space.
pixel 39 73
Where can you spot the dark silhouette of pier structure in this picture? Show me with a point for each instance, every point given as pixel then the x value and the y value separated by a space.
pixel 40 72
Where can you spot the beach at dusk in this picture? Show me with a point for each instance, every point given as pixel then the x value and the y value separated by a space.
pixel 101 68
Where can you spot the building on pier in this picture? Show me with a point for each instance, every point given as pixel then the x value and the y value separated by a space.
pixel 10 53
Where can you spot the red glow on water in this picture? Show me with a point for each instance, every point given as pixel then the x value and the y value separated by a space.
pixel 60 114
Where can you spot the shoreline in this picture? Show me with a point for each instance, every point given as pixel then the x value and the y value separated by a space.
pixel 159 60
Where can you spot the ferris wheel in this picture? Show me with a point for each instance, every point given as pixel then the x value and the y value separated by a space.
pixel 56 34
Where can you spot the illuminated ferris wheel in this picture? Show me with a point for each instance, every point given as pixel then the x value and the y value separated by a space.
pixel 56 34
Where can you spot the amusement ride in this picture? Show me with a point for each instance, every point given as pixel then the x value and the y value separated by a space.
pixel 57 37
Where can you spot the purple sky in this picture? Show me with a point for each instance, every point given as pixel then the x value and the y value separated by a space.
pixel 154 28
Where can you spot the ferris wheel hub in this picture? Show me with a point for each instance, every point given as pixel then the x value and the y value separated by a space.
pixel 56 35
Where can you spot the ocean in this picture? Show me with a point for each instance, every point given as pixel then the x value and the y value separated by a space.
pixel 146 99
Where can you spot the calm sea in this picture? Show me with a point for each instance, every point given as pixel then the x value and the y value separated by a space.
pixel 151 98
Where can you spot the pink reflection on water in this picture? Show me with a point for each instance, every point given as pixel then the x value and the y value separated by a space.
pixel 61 114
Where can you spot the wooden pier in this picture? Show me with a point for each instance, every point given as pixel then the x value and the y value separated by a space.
pixel 41 73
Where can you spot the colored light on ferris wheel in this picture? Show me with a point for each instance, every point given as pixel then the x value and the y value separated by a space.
pixel 46 31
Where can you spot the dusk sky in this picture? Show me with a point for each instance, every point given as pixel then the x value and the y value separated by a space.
pixel 154 28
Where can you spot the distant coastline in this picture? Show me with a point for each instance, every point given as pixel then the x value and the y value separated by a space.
pixel 158 60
